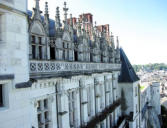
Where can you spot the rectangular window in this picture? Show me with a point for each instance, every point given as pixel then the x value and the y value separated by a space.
pixel 136 123
pixel 89 99
pixel 136 108
pixel 43 114
pixel 40 40
pixel 33 39
pixel 72 108
pixel 39 106
pixel 45 103
pixel 39 118
pixel 33 51
pixel 40 52
pixel 46 116
pixel 136 91
pixel 47 126
pixel 1 96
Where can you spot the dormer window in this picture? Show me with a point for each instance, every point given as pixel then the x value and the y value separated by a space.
pixel 37 47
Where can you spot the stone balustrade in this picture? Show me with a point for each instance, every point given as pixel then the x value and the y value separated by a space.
pixel 52 67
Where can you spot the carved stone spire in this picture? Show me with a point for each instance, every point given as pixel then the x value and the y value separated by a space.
pixel 71 22
pixel 117 43
pixel 46 18
pixel 37 12
pixel 87 29
pixel 95 28
pixel 79 28
pixel 57 23
pixel 46 8
pixel 83 24
pixel 65 16
pixel 37 4
pixel 112 41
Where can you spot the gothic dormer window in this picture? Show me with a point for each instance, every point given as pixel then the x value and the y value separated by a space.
pixel 37 47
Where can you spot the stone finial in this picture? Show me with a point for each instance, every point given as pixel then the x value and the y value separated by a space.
pixel 83 21
pixel 79 27
pixel 46 8
pixel 83 24
pixel 87 28
pixel 112 41
pixel 65 9
pixel 117 43
pixel 46 18
pixel 58 24
pixel 71 22
pixel 37 4
pixel 37 12
pixel 95 23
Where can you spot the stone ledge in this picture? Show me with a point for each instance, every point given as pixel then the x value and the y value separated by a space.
pixel 7 77
pixel 44 68
pixel 24 85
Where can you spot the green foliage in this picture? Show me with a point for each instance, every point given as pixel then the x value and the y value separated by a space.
pixel 156 66
pixel 142 87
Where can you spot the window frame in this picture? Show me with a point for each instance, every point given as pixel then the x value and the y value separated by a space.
pixel 43 113
pixel 37 43
pixel 5 89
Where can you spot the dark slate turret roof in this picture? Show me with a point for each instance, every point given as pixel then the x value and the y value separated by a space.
pixel 128 74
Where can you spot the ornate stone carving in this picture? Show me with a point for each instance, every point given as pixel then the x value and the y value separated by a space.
pixel 58 66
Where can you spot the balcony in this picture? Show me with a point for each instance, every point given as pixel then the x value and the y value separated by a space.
pixel 58 68
pixel 101 116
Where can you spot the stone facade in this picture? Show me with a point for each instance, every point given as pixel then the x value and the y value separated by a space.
pixel 150 106
pixel 57 74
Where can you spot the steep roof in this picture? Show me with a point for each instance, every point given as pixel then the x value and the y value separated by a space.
pixel 128 74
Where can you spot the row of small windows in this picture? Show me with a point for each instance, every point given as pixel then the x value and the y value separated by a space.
pixel 44 113
pixel 39 51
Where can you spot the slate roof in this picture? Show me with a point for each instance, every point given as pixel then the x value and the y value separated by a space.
pixel 127 74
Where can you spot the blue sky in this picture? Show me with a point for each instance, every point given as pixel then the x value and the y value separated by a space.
pixel 140 24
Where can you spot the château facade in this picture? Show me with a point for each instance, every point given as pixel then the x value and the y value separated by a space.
pixel 66 74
